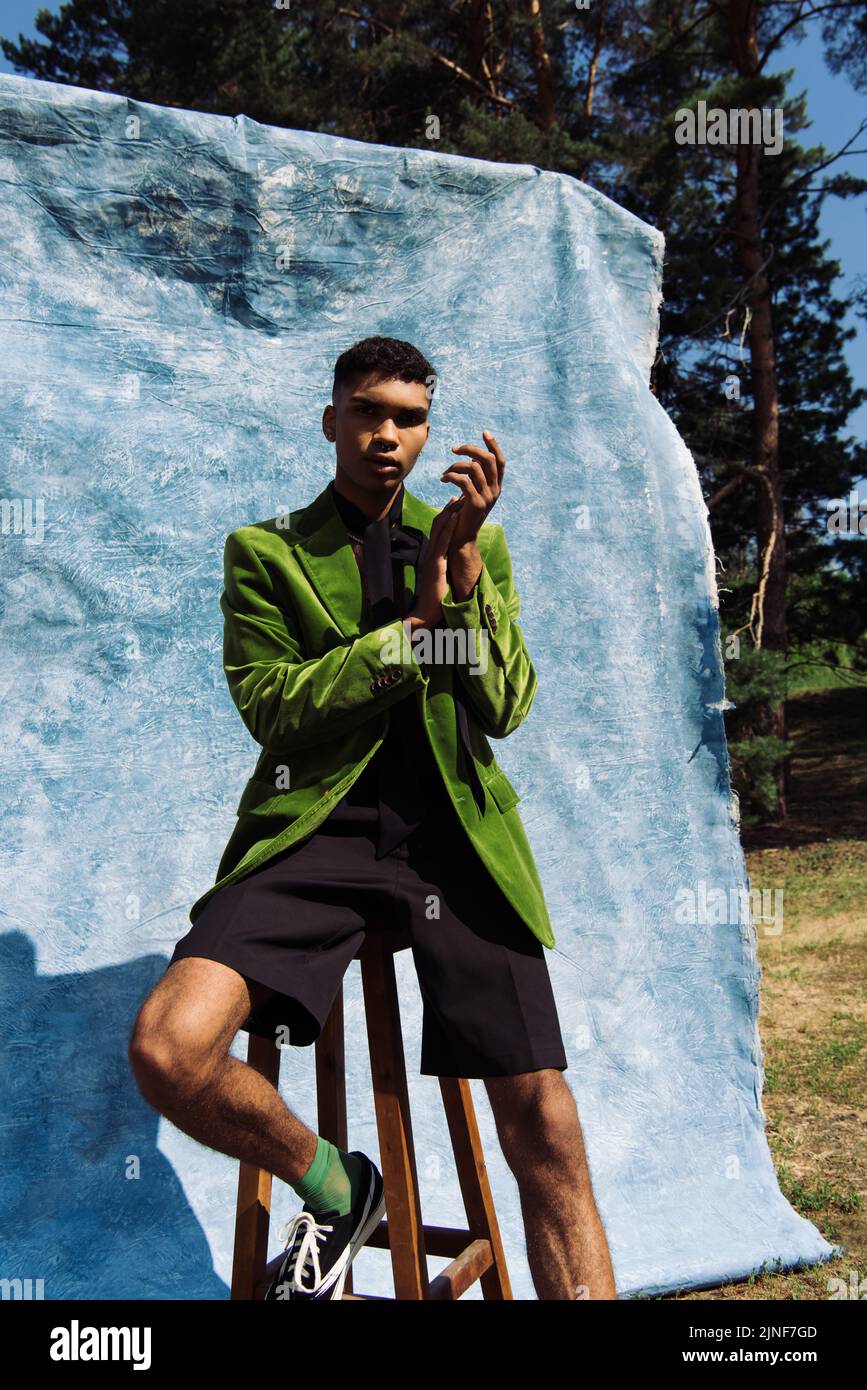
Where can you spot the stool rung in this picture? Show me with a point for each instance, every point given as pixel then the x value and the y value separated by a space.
pixel 438 1240
pixel 471 1263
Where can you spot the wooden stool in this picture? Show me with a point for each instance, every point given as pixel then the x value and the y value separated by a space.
pixel 477 1253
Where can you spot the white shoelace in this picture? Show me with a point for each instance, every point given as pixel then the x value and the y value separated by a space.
pixel 308 1230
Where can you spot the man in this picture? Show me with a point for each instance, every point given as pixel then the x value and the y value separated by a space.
pixel 371 647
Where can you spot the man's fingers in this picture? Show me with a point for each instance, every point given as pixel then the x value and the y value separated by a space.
pixel 442 528
pixel 447 516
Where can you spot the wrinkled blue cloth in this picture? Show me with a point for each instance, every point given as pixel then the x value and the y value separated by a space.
pixel 176 288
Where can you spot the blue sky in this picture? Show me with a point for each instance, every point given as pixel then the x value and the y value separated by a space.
pixel 835 110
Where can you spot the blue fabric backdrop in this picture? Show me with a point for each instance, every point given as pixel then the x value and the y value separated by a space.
pixel 176 288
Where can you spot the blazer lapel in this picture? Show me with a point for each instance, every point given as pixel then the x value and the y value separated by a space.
pixel 327 558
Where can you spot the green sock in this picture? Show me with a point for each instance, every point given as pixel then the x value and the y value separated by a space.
pixel 332 1181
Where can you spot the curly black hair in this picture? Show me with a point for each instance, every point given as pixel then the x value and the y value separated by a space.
pixel 390 358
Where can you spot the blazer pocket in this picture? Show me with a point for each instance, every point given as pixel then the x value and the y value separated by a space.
pixel 502 791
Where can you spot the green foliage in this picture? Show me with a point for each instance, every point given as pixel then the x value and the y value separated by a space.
pixel 754 763
pixel 756 678
pixel 754 682
pixel 826 666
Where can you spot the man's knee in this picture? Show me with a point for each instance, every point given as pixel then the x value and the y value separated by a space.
pixel 170 1053
pixel 536 1117
pixel 159 1063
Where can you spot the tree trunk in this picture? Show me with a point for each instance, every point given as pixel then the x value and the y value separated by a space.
pixel 542 67
pixel 594 61
pixel 770 626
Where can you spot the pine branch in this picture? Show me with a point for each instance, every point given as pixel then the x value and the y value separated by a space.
pixel 436 57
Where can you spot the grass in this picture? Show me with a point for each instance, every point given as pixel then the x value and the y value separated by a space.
pixel 812 1011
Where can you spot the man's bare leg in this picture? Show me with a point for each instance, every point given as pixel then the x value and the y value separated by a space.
pixel 540 1135
pixel 179 1054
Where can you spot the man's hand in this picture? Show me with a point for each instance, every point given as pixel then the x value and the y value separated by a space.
pixel 481 481
pixel 433 581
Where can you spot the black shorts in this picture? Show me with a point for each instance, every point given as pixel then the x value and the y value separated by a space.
pixel 295 924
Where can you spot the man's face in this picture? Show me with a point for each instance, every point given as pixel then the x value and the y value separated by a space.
pixel 379 429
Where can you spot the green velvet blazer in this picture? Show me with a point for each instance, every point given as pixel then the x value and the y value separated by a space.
pixel 314 684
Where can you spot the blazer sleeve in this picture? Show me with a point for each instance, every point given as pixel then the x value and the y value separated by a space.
pixel 502 694
pixel 288 702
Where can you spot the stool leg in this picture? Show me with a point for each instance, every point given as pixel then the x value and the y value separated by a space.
pixel 253 1212
pixel 473 1178
pixel 331 1077
pixel 331 1087
pixel 391 1097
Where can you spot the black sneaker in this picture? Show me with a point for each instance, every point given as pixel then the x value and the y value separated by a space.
pixel 320 1246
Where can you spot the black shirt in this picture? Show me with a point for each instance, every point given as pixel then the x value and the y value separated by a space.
pixel 402 778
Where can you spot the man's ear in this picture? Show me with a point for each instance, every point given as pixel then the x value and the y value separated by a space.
pixel 328 424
